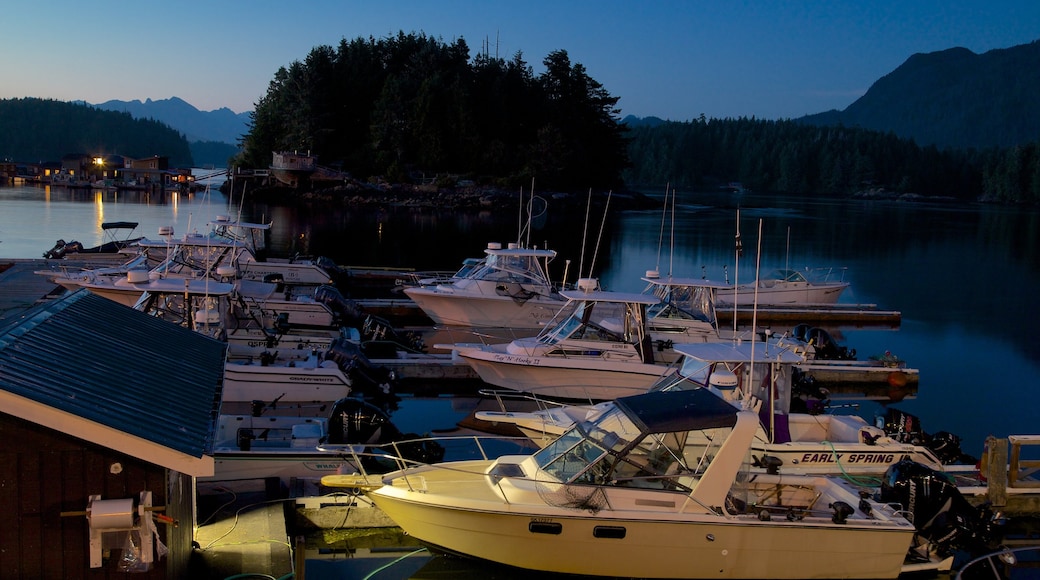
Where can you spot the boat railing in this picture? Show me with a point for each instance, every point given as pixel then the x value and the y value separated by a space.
pixel 418 451
pixel 1002 564
pixel 503 395
pixel 826 274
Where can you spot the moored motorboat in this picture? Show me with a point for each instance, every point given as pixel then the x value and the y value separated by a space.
pixel 314 377
pixel 820 286
pixel 509 288
pixel 796 430
pixel 659 487
pixel 598 347
pixel 116 245
pixel 272 441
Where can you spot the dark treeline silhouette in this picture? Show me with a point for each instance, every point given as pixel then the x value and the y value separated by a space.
pixel 410 105
pixel 44 130
pixel 786 156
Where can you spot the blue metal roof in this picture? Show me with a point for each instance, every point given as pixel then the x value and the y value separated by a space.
pixel 110 364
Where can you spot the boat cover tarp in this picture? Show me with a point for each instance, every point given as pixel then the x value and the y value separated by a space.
pixel 118 225
pixel 674 411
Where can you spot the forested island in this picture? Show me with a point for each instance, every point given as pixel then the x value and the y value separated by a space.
pixel 409 108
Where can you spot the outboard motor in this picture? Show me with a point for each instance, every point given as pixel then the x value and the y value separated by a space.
pixel 375 380
pixel 328 265
pixel 947 447
pixel 348 311
pixel 903 427
pixel 57 252
pixel 801 332
pixel 379 339
pixel 808 397
pixel 826 348
pixel 940 513
pixel 906 428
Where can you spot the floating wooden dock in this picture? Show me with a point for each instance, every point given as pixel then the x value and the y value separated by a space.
pixel 858 315
pixel 1005 479
pixel 815 314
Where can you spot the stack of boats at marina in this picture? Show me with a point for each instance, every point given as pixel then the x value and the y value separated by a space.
pixel 675 448
pixel 605 344
pixel 709 458
pixel 296 346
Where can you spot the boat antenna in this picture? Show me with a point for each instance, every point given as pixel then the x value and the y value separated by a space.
pixel 520 217
pixel 754 330
pixel 787 262
pixel 671 243
pixel 738 251
pixel 585 234
pixel 600 236
pixel 530 209
pixel 660 238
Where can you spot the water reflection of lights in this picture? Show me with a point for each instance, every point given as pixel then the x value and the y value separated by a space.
pixel 99 206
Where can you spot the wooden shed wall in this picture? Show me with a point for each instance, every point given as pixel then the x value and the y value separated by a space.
pixel 44 472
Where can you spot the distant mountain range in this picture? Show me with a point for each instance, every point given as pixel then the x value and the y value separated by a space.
pixel 951 99
pixel 222 125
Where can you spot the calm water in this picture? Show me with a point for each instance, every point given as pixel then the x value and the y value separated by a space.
pixel 964 277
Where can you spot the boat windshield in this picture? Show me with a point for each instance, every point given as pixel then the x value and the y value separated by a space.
pixel 613 450
pixel 787 275
pixel 596 320
pixel 570 457
pixel 507 268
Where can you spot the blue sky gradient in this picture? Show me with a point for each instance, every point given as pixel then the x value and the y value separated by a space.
pixel 673 59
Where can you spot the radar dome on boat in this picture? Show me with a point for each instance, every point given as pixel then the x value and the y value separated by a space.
pixel 588 284
pixel 653 274
pixel 723 379
pixel 494 246
pixel 137 276
pixel 513 245
pixel 226 271
pixel 165 230
pixel 223 219
pixel 207 316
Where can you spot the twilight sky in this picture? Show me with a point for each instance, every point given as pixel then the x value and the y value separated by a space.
pixel 673 59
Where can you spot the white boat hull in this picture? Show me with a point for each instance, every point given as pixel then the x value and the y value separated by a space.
pixel 229 465
pixel 298 273
pixel 253 381
pixel 562 377
pixel 452 308
pixel 793 294
pixel 632 535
